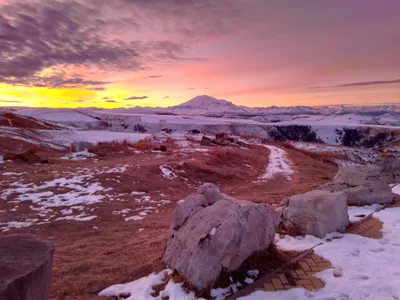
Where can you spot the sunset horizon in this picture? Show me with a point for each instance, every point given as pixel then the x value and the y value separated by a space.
pixel 162 53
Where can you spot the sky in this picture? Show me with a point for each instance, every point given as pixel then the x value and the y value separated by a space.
pixel 126 53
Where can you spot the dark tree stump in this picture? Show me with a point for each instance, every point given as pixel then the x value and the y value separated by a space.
pixel 25 267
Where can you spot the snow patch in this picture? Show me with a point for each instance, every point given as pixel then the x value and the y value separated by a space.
pixel 80 218
pixel 82 155
pixel 278 164
pixel 359 261
pixel 167 173
pixel 356 213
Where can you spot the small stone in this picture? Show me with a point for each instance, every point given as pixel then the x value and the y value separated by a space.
pixel 337 272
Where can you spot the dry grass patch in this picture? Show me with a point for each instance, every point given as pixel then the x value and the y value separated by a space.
pixel 226 165
pixel 126 147
pixel 233 155
pixel 112 148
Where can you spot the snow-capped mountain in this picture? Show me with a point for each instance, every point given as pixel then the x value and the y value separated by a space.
pixel 208 105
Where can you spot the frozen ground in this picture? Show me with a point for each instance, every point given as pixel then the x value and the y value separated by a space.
pixel 368 267
pixel 279 164
pixel 70 197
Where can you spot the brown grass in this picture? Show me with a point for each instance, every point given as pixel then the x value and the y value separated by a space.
pixel 127 148
pixel 112 148
pixel 225 165
pixel 145 145
pixel 170 143
pixel 233 155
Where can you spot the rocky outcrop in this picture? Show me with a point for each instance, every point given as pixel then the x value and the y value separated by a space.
pixel 315 213
pixel 362 185
pixel 212 232
pixel 80 146
pixel 25 267
pixel 29 155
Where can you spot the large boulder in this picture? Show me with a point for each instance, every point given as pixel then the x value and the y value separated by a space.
pixel 315 213
pixel 212 232
pixel 80 146
pixel 361 184
pixel 25 267
pixel 357 175
pixel 372 192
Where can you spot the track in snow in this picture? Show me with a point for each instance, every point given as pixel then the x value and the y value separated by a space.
pixel 279 164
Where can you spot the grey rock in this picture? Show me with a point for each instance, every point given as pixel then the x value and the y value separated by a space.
pixel 205 141
pixel 80 146
pixel 25 267
pixel 316 213
pixel 357 175
pixel 212 232
pixel 371 192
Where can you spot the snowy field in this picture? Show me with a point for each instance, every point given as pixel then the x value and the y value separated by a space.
pixel 368 268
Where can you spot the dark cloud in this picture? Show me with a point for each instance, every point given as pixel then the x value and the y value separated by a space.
pixel 105 98
pixel 136 98
pixel 98 89
pixel 39 35
pixel 154 76
pixel 111 101
pixel 192 88
pixel 166 97
pixel 361 83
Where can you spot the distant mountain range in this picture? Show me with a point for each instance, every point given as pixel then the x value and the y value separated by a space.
pixel 206 105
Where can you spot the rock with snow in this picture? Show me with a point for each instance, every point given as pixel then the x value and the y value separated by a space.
pixel 315 213
pixel 212 232
pixel 371 192
pixel 80 146
pixel 25 267
pixel 361 184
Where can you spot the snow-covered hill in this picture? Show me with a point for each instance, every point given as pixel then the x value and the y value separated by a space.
pixel 206 105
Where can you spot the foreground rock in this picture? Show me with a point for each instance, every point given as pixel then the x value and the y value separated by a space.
pixel 212 232
pixel 362 185
pixel 80 146
pixel 25 267
pixel 315 213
